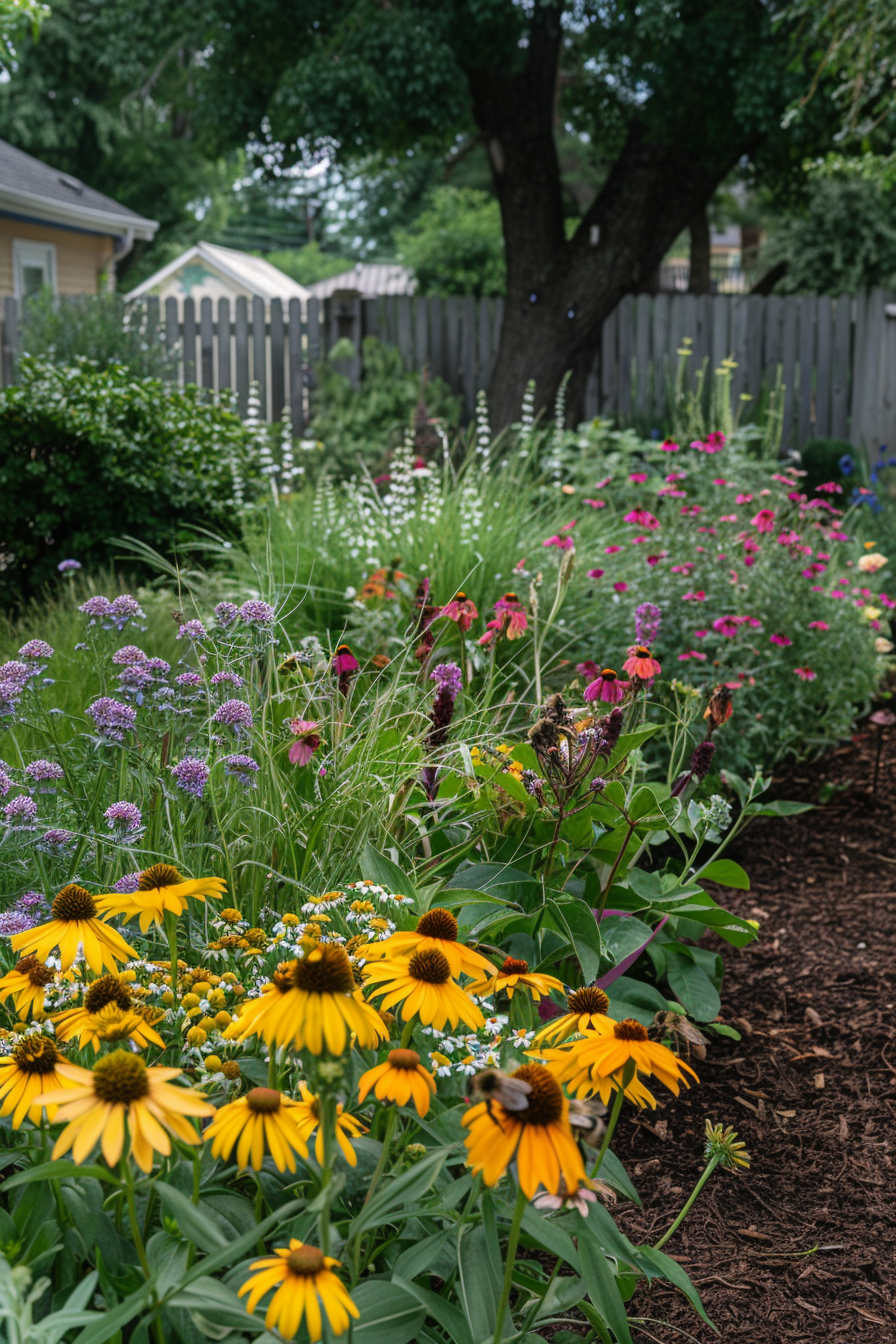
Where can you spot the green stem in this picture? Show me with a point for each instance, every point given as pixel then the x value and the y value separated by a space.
pixel 328 1129
pixel 513 1241
pixel 689 1204
pixel 611 1125
pixel 407 1033
pixel 384 1155
pixel 171 931
pixel 272 1069
pixel 138 1239
pixel 526 1325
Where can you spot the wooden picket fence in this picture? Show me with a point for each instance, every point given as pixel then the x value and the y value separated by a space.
pixel 835 357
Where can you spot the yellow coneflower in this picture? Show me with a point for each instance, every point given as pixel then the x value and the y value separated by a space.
pixel 538 1138
pixel 25 985
pixel 108 1013
pixel 581 1083
pixel 513 974
pixel 586 1011
pixel 313 1004
pixel 75 923
pixel 27 1076
pixel 402 1078
pixel 423 986
pixel 596 1062
pixel 160 889
pixel 262 1120
pixel 121 1088
pixel 305 1282
pixel 436 932
pixel 306 1114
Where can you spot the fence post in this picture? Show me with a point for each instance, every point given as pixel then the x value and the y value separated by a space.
pixel 259 354
pixel 206 344
pixel 189 341
pixel 296 378
pixel 224 378
pixel 172 334
pixel 242 355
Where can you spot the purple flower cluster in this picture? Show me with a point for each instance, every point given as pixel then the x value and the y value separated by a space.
pixel 234 714
pixel 123 817
pixel 257 613
pixel 128 656
pixel 68 566
pixel 20 811
pixel 226 613
pixel 228 679
pixel 111 717
pixel 648 619
pixel 448 679
pixel 56 840
pixel 192 630
pixel 36 649
pixel 14 921
pixel 118 612
pixel 14 677
pixel 127 885
pixel 188 679
pixel 5 783
pixel 191 775
pixel 134 680
pixel 44 772
pixel 242 768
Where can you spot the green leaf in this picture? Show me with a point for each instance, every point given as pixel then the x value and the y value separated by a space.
pixel 111 1322
pixel 577 920
pixel 670 1269
pixel 781 807
pixel 386 873
pixel 215 1301
pixel 622 935
pixel 478 1285
pixel 600 1282
pixel 389 1313
pixel 629 741
pixel 692 987
pixel 243 1245
pixel 401 1193
pixel 194 1221
pixel 497 879
pixel 727 873
pixel 550 1236
pixel 419 1258
pixel 645 804
pixel 55 1171
pixel 445 1313
pixel 614 1173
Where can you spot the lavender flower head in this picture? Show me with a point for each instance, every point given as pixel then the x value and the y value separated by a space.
pixel 97 608
pixel 228 679
pixel 5 783
pixel 20 811
pixel 192 630
pixel 125 608
pixel 123 817
pixel 242 768
pixel 226 613
pixel 127 885
pixel 128 656
pixel 16 674
pixel 44 772
pixel 56 840
pixel 157 666
pixel 448 679
pixel 112 718
pixel 257 613
pixel 134 680
pixel 648 620
pixel 191 775
pixel 68 566
pixel 235 714
pixel 15 921
pixel 32 900
pixel 36 649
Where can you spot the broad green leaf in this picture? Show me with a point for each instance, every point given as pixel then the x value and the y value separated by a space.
pixel 216 1302
pixel 670 1269
pixel 614 1173
pixel 692 987
pixel 629 741
pixel 645 804
pixel 400 1193
pixel 622 935
pixel 195 1221
pixel 577 921
pixel 439 1309
pixel 111 1322
pixel 478 1286
pixel 550 1235
pixel 386 873
pixel 565 1292
pixel 55 1171
pixel 243 1245
pixel 727 873
pixel 600 1282
pixel 421 1257
pixel 389 1313
pixel 496 879
pixel 782 807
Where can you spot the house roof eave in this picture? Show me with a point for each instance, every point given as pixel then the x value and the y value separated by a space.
pixel 95 221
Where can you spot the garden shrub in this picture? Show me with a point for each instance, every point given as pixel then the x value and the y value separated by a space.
pixel 90 454
pixel 99 327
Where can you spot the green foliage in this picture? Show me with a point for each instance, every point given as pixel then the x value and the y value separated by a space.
pixel 18 19
pixel 306 265
pixel 455 245
pixel 91 454
pixel 97 327
pixel 361 426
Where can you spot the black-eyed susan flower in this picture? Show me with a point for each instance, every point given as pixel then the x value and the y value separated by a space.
pixel 723 1146
pixel 304 1279
pixel 76 922
pixel 307 1117
pixel 538 1138
pixel 261 1121
pixel 108 1013
pixel 581 1083
pixel 121 1092
pixel 435 931
pixel 313 1004
pixel 586 1011
pixel 402 1078
pixel 27 1076
pixel 160 889
pixel 599 1060
pixel 423 986
pixel 26 984
pixel 512 975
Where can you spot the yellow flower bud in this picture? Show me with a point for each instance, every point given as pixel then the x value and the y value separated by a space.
pixel 196 1036
pixel 212 1063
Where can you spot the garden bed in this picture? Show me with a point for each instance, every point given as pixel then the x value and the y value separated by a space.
pixel 811 1087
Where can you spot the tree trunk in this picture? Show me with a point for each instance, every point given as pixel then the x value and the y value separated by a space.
pixel 700 280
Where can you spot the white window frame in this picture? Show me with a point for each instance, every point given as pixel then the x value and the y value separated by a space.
pixel 27 251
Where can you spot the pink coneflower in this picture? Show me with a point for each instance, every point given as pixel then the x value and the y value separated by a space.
pixel 781 640
pixel 561 543
pixel 607 687
pixel 637 477
pixel 511 620
pixel 611 550
pixel 642 518
pixel 654 560
pixel 589 669
pixel 307 740
pixel 692 653
pixel 596 503
pixel 620 587
pixel 669 446
pixel 640 663
pixel 595 573
pixel 830 488
pixel 743 499
pixel 764 520
pixel 461 610
pixel 715 442
pixel 698 596
pixel 805 673
pixel 727 626
pixel 344 661
pixel 568 527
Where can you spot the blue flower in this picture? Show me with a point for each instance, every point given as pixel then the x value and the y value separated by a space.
pixel 846 465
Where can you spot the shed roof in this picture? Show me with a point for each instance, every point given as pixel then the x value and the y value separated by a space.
pixel 371 278
pixel 255 274
pixel 31 188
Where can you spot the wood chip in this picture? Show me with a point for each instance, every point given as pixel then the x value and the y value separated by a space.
pixel 807 1306
pixel 813 1018
pixel 786 1115
pixel 870 1316
pixel 753 1234
pixel 843 1134
pixel 819 1081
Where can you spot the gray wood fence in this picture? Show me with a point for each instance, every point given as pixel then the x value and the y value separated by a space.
pixel 836 357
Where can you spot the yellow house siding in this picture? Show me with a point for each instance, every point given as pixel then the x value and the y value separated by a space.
pixel 81 258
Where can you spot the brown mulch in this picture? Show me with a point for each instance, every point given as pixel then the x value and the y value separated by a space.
pixel 802 1249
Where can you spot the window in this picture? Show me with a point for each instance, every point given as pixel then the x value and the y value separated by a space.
pixel 34 267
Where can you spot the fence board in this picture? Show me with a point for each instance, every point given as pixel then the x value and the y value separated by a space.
pixel 841 364
pixel 753 370
pixel 278 393
pixel 626 311
pixel 468 354
pixel 172 328
pixel 659 338
pixel 224 377
pixel 808 309
pixel 485 342
pixel 823 350
pixel 259 353
pixel 242 354
pixel 189 337
pixel 296 374
pixel 788 368
pixel 452 342
pixel 153 320
pixel 642 354
pixel 609 385
pixel 436 343
pixel 405 338
pixel 206 345
pixel 773 343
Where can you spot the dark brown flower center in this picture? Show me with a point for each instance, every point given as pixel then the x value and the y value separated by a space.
pixel 642 651
pixel 608 674
pixel 511 597
pixel 460 596
pixel 73 902
pixel 546 1098
pixel 514 966
pixel 120 1078
pixel 438 923
pixel 305 1262
pixel 37 973
pixel 326 970
pixel 589 999
pixel 36 1054
pixel 107 989
pixel 159 875
pixel 263 1100
pixel 629 1030
pixel 430 966
pixel 343 648
pixel 404 1059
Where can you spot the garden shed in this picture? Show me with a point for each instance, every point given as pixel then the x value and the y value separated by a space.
pixel 209 271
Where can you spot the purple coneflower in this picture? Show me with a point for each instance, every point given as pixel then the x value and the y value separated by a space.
pixel 307 740
pixel 461 610
pixel 607 687
pixel 345 665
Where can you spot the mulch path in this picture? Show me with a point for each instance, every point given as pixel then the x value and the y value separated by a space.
pixel 802 1249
